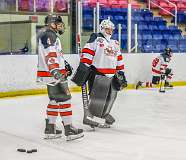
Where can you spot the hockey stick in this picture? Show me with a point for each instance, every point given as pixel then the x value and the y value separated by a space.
pixel 162 88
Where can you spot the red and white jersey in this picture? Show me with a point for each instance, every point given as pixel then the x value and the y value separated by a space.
pixel 103 54
pixel 49 57
pixel 159 65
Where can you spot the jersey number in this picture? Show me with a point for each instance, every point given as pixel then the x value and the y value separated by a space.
pixel 155 62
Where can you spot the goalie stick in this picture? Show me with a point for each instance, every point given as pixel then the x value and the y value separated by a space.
pixel 162 88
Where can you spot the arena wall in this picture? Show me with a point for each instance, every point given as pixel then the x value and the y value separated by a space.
pixel 18 72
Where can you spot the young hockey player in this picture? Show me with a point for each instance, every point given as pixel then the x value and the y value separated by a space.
pixel 102 57
pixel 160 70
pixel 53 72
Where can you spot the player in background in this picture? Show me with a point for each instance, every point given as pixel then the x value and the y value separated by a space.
pixel 160 70
pixel 53 72
pixel 101 54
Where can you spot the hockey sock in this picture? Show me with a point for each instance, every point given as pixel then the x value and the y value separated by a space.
pixel 65 112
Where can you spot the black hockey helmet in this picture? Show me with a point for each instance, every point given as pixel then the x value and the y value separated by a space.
pixel 168 51
pixel 56 19
pixel 53 19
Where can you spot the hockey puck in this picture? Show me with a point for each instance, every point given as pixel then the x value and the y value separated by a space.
pixel 162 91
pixel 34 150
pixel 29 151
pixel 21 150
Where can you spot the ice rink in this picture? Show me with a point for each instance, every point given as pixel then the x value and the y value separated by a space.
pixel 149 126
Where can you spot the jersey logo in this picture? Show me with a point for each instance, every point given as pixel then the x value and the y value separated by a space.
pixel 110 52
pixel 101 45
pixel 51 60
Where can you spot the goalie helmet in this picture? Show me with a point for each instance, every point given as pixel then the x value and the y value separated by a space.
pixel 106 24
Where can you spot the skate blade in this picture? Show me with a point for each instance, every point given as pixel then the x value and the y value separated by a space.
pixel 104 125
pixel 88 121
pixel 168 88
pixel 74 137
pixel 52 136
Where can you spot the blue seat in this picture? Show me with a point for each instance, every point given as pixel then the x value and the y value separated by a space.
pixel 115 36
pixel 147 36
pixel 147 48
pixel 138 18
pixel 172 42
pixel 182 41
pixel 148 18
pixel 153 27
pixel 143 27
pixel 182 48
pixel 162 27
pixel 159 48
pixel 146 12
pixel 161 23
pixel 88 22
pixel 173 28
pixel 107 11
pixel 119 19
pixel 173 47
pixel 157 35
pixel 116 11
pixel 124 26
pixel 168 36
pixel 124 44
pixel 157 19
pixel 87 11
pixel 177 36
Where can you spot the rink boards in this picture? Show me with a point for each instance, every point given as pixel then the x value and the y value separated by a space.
pixel 18 72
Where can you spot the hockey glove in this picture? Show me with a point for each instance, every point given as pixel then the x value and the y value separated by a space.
pixel 68 68
pixel 119 81
pixel 162 76
pixel 58 75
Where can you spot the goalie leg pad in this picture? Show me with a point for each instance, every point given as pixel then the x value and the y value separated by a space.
pixel 99 94
pixel 59 92
pixel 109 119
pixel 109 101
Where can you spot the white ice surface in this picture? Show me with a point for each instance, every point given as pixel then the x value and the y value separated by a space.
pixel 149 126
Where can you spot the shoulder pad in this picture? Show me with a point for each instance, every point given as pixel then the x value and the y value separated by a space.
pixel 92 38
pixel 48 38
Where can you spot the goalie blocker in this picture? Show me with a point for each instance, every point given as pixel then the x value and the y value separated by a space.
pixel 82 74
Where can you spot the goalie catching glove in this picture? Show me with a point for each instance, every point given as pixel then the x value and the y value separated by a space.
pixel 119 81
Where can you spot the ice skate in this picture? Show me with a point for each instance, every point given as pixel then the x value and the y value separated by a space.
pixel 87 119
pixel 109 120
pixel 168 85
pixel 51 132
pixel 139 84
pixel 73 133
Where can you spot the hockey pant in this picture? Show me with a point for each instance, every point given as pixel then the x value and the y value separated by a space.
pixel 102 96
pixel 60 103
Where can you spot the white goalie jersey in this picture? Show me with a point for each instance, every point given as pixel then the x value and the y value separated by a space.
pixel 49 57
pixel 103 54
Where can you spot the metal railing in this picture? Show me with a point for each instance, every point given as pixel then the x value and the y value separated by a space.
pixel 174 15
